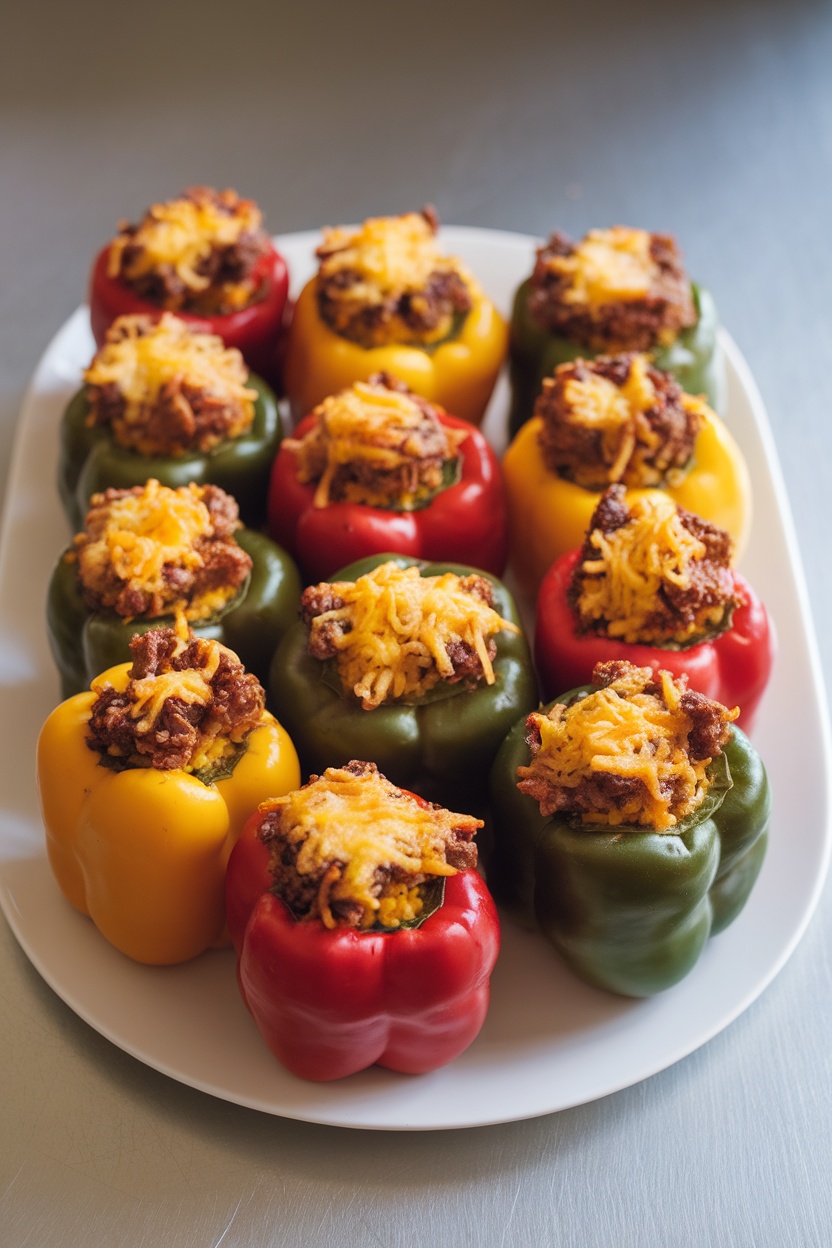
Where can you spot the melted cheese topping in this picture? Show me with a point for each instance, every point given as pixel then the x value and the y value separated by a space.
pixel 621 585
pixel 356 828
pixel 384 260
pixel 181 233
pixel 396 628
pixel 149 694
pixel 616 412
pixel 382 429
pixel 143 534
pixel 607 266
pixel 141 357
pixel 623 731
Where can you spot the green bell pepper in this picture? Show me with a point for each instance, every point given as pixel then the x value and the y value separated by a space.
pixel 85 643
pixel 90 460
pixel 630 909
pixel 441 746
pixel 535 352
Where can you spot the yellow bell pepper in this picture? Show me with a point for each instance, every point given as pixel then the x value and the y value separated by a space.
pixel 549 515
pixel 458 373
pixel 143 852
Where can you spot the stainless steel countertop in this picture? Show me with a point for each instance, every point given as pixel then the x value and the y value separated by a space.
pixel 713 121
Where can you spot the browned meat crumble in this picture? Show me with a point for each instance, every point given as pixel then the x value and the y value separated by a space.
pixel 188 723
pixel 634 322
pixel 690 592
pixel 664 735
pixel 388 282
pixel 195 254
pixel 324 635
pixel 376 443
pixel 315 852
pixel 617 419
pixel 165 390
pixel 203 574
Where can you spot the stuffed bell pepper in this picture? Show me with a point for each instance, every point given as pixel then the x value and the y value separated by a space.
pixel 630 823
pixel 150 555
pixel 364 933
pixel 421 667
pixel 616 290
pixel 163 401
pixel 378 468
pixel 616 419
pixel 653 584
pixel 385 299
pixel 145 782
pixel 206 257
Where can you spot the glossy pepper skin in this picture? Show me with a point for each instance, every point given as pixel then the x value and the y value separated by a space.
pixel 90 460
pixel 458 373
pixel 254 330
pixel 143 852
pixel 694 358
pixel 330 1002
pixel 549 515
pixel 464 523
pixel 85 642
pixel 630 909
pixel 441 747
pixel 733 668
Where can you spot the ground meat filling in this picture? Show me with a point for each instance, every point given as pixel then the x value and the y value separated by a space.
pixel 163 389
pixel 378 444
pixel 634 752
pixel 395 635
pixel 350 849
pixel 616 290
pixel 650 572
pixel 617 419
pixel 189 704
pixel 152 551
pixel 198 253
pixel 388 282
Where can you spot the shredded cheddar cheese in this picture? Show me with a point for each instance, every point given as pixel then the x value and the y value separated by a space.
pixel 356 840
pixel 607 266
pixel 385 261
pixel 180 234
pixel 135 541
pixel 392 635
pixel 375 445
pixel 616 413
pixel 635 730
pixel 186 704
pixel 621 581
pixel 150 363
pixel 607 421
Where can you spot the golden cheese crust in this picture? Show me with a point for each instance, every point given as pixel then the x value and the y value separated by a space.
pixel 189 705
pixel 350 849
pixel 617 419
pixel 163 389
pixel 378 444
pixel 152 550
pixel 652 573
pixel 620 289
pixel 387 282
pixel 197 253
pixel 632 753
pixel 395 635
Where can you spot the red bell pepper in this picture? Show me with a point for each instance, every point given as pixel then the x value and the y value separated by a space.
pixel 733 668
pixel 333 1001
pixel 253 330
pixel 463 523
